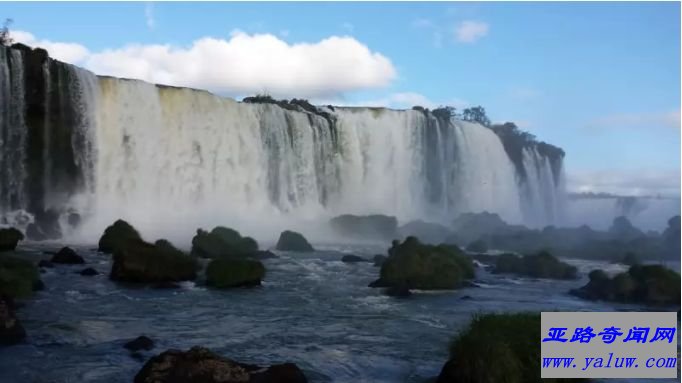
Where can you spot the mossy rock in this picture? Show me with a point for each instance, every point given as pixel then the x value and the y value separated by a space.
pixel 226 272
pixel 510 341
pixel 9 238
pixel 293 241
pixel 541 265
pixel 19 278
pixel 222 242
pixel 414 265
pixel 116 236
pixel 143 262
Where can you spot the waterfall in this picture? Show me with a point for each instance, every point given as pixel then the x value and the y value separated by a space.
pixel 170 158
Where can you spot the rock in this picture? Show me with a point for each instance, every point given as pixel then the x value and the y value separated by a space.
pixel 511 340
pixel 89 272
pixel 201 365
pixel 398 291
pixel 166 285
pixel 293 241
pixel 541 265
pixel 466 298
pixel 140 343
pixel 418 266
pixel 34 233
pixel 427 232
pixel 477 246
pixel 116 236
pixel 19 278
pixel 367 226
pixel 263 254
pixel 469 227
pixel 45 264
pixel 143 262
pixel 379 259
pixel 229 272
pixel 74 220
pixel 652 285
pixel 68 256
pixel 45 226
pixel 350 258
pixel 11 330
pixel 9 238
pixel 222 242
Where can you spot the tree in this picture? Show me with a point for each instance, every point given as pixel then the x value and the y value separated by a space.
pixel 5 38
pixel 476 114
pixel 445 112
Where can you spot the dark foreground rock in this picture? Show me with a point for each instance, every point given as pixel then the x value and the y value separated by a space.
pixel 541 265
pixel 510 340
pixel 11 331
pixel 365 226
pixel 67 256
pixel 293 241
pixel 142 262
pixel 9 238
pixel 226 273
pixel 350 258
pixel 117 236
pixel 222 242
pixel 652 285
pixel 19 278
pixel 139 343
pixel 414 265
pixel 200 365
pixel 89 272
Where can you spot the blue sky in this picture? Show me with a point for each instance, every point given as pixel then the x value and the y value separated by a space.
pixel 601 80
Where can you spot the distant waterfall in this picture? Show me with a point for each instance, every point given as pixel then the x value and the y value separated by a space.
pixel 160 155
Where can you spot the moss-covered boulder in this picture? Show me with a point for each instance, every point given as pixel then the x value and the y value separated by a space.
pixel 374 226
pixel 202 365
pixel 222 242
pixel 9 238
pixel 11 331
pixel 142 262
pixel 229 272
pixel 414 265
pixel 540 265
pixel 652 285
pixel 510 341
pixel 68 256
pixel 116 236
pixel 19 278
pixel 293 241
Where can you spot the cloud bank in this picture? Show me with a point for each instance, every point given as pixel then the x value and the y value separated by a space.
pixel 640 182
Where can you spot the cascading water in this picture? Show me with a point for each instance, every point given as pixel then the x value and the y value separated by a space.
pixel 171 158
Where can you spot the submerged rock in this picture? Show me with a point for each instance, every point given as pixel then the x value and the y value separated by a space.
pixel 293 241
pixel 201 365
pixel 19 278
pixel 11 330
pixel 143 262
pixel 350 258
pixel 68 256
pixel 418 266
pixel 89 272
pixel 139 343
pixel 117 236
pixel 541 265
pixel 9 238
pixel 375 226
pixel 227 272
pixel 222 242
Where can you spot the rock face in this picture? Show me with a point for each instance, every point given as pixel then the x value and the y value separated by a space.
pixel 200 365
pixel 116 236
pixel 350 258
pixel 414 265
pixel 427 232
pixel 139 343
pixel 652 285
pixel 511 340
pixel 46 226
pixel 222 242
pixel 19 278
pixel 293 241
pixel 142 262
pixel 229 272
pixel 541 265
pixel 365 226
pixel 11 331
pixel 67 255
pixel 9 238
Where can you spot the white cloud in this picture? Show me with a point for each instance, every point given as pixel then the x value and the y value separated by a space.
pixel 667 119
pixel 242 64
pixel 68 52
pixel 639 182
pixel 470 31
pixel 149 15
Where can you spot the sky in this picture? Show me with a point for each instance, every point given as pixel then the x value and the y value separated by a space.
pixel 600 80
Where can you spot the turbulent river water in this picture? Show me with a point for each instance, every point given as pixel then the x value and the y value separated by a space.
pixel 312 309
